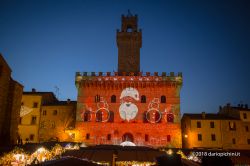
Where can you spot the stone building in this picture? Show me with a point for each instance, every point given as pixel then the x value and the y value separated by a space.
pixel 30 114
pixel 128 105
pixel 10 103
pixel 44 118
pixel 58 118
pixel 228 129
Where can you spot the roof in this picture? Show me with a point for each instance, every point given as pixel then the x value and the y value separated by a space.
pixel 209 116
pixel 47 97
pixel 4 61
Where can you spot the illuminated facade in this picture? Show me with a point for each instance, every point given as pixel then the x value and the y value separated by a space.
pixel 10 103
pixel 58 118
pixel 128 105
pixel 44 118
pixel 229 129
pixel 30 114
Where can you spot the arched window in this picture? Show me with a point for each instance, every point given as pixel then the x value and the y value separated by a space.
pixel 157 117
pixel 113 99
pixel 86 117
pixel 143 99
pixel 163 99
pixel 170 117
pixel 99 116
pixel 111 116
pixel 97 98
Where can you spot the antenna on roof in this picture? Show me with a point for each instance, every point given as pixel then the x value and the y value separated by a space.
pixel 57 92
pixel 129 13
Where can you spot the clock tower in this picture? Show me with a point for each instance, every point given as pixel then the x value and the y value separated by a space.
pixel 129 42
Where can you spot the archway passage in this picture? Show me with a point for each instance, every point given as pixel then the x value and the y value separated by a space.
pixel 127 137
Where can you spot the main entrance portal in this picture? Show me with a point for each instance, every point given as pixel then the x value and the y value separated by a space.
pixel 127 137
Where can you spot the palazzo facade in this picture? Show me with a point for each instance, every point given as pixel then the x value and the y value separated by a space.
pixel 128 105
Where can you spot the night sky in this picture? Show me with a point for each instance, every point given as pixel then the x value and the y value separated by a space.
pixel 46 42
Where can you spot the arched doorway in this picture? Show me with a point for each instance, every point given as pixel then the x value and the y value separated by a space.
pixel 128 137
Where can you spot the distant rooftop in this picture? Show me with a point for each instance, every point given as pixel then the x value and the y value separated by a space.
pixel 210 116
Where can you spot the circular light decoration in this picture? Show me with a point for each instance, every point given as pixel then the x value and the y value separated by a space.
pixel 153 111
pixel 103 110
pixel 153 108
pixel 128 110
pixel 104 113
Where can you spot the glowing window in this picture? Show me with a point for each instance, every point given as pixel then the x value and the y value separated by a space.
pixel 97 98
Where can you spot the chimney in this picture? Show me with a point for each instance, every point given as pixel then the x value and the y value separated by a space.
pixel 246 106
pixel 203 114
pixel 68 101
pixel 33 90
pixel 220 108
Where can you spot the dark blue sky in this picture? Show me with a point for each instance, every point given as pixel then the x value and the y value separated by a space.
pixel 46 42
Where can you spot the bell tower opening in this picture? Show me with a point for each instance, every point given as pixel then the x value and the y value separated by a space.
pixel 129 42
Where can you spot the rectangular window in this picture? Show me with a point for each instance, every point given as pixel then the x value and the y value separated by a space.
pixel 146 138
pixel 233 141
pixel 32 137
pixel 20 120
pixel 248 141
pixel 33 120
pixel 213 138
pixel 109 137
pixel 246 127
pixel 198 124
pixel 199 137
pixel 53 125
pixel 168 138
pixel 232 126
pixel 245 115
pixel 44 112
pixel 211 124
pixel 55 112
pixel 35 104
pixel 87 136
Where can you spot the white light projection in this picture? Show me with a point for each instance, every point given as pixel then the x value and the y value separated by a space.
pixel 128 110
pixel 102 108
pixel 153 108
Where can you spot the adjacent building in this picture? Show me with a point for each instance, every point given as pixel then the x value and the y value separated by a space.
pixel 10 103
pixel 227 129
pixel 128 105
pixel 57 121
pixel 44 118
pixel 30 114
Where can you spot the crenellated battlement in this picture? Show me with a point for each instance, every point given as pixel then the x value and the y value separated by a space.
pixel 113 77
pixel 163 74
